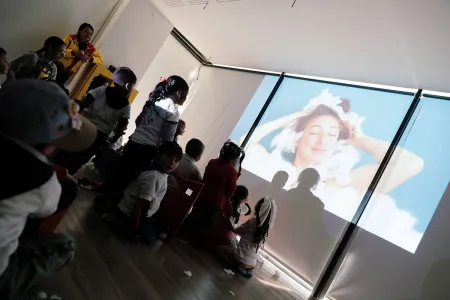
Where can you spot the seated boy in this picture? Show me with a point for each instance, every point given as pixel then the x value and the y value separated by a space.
pixel 36 192
pixel 187 167
pixel 149 188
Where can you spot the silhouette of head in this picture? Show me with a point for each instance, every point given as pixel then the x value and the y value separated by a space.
pixel 279 179
pixel 308 179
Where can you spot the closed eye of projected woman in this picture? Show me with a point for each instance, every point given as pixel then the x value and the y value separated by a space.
pixel 328 136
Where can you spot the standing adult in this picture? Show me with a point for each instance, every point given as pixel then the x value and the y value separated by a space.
pixel 79 51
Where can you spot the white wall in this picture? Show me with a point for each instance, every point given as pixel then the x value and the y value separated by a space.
pixel 136 37
pixel 172 59
pixel 217 104
pixel 25 24
pixel 393 42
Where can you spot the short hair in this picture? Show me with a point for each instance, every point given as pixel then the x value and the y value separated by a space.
pixel 241 193
pixel 84 25
pixel 2 51
pixel 195 148
pixel 171 149
pixel 124 75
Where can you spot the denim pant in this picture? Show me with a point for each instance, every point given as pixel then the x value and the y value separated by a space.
pixel 33 261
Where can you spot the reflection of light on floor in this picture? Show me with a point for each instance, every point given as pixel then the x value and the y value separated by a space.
pixel 274 285
pixel 289 279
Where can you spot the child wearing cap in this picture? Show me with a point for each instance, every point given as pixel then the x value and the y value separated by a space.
pixel 36 193
pixel 107 107
pixel 150 186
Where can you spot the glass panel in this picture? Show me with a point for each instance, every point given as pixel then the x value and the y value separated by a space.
pixel 340 134
pixel 410 209
pixel 253 108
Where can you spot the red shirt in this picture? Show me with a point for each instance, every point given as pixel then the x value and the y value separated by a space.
pixel 220 184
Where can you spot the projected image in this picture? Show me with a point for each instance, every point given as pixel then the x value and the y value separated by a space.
pixel 343 133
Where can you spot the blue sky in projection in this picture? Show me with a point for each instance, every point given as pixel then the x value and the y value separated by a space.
pixel 428 137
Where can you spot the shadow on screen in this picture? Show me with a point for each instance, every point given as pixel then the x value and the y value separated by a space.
pixel 436 284
pixel 305 238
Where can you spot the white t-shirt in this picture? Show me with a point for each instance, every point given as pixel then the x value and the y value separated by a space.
pixel 151 186
pixel 101 114
pixel 246 250
pixel 40 201
pixel 158 124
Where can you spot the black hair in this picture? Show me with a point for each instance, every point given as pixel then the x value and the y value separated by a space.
pixel 308 178
pixel 171 149
pixel 52 42
pixel 167 88
pixel 84 25
pixel 181 123
pixel 262 230
pixel 164 89
pixel 239 195
pixel 230 151
pixel 125 75
pixel 195 148
pixel 2 51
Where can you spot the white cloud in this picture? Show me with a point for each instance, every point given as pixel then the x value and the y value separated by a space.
pixel 385 219
pixel 381 217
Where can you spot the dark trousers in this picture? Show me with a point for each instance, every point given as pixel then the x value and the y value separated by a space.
pixel 74 161
pixel 134 160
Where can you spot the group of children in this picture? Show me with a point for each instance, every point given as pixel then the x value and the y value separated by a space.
pixel 41 121
pixel 56 61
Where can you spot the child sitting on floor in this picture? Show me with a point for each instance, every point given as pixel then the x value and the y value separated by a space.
pixel 150 186
pixel 253 235
pixel 239 206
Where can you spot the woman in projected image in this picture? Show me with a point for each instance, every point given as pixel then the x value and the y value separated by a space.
pixel 326 136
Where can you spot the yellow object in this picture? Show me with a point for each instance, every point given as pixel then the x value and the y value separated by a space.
pixel 80 91
pixel 71 64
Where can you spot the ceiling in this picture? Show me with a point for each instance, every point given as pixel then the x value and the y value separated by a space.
pixel 402 43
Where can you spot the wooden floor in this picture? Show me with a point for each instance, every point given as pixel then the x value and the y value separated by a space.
pixel 108 267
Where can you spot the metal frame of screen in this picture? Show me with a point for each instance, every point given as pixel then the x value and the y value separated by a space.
pixel 336 258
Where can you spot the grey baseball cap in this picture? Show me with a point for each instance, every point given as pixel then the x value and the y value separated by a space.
pixel 39 112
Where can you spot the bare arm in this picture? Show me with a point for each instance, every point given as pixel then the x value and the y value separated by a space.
pixel 269 127
pixel 403 165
